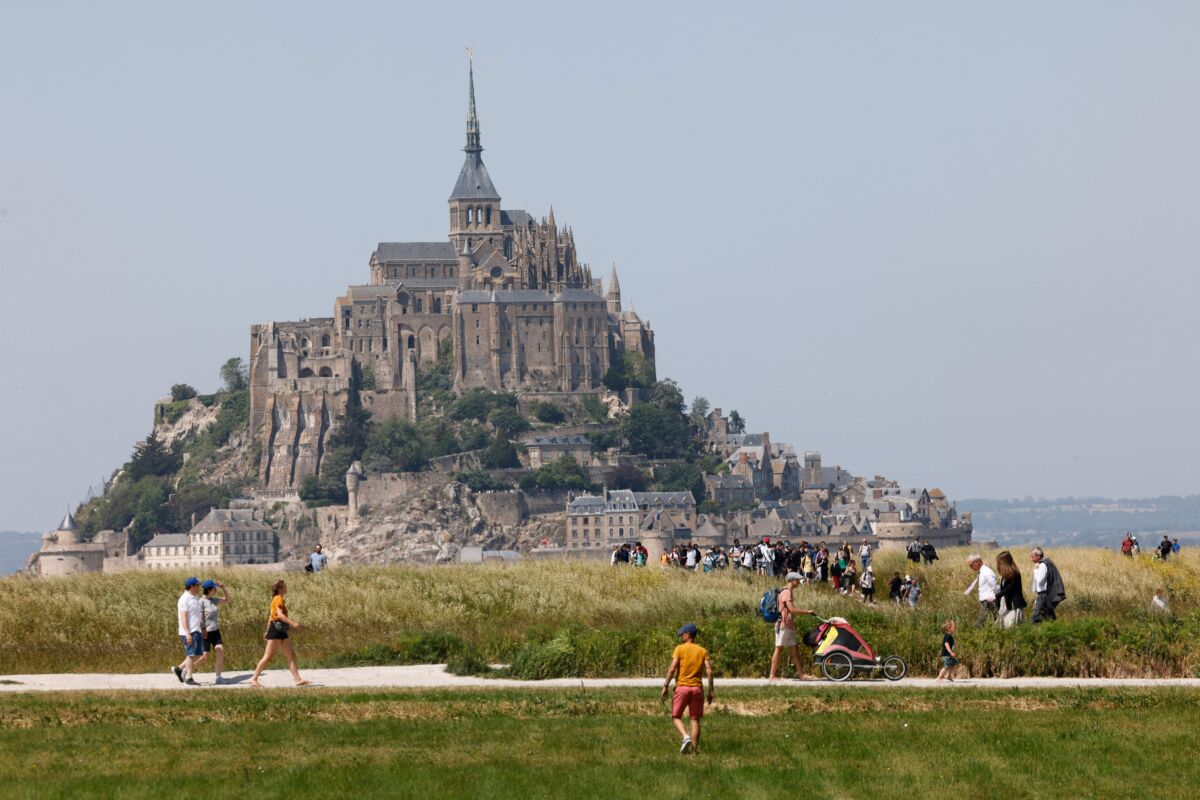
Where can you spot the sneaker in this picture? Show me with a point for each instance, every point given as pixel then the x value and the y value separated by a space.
pixel 190 682
pixel 218 679
pixel 687 742
pixel 178 673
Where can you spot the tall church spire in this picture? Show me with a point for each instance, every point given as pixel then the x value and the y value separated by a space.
pixel 473 145
pixel 474 183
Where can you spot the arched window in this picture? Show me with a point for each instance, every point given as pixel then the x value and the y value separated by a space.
pixel 306 373
pixel 488 215
pixel 470 215
pixel 303 341
pixel 325 340
pixel 326 372
pixel 412 342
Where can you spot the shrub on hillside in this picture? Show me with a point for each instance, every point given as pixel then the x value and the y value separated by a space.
pixel 547 412
pixel 181 391
pixel 507 421
pixel 565 473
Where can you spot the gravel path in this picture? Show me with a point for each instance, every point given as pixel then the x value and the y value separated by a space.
pixel 433 676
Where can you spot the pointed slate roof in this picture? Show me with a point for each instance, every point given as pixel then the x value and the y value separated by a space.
pixel 473 183
pixel 68 523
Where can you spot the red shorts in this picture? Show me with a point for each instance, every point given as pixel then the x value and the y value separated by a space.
pixel 689 697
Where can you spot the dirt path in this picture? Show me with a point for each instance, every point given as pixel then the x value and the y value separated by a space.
pixel 433 676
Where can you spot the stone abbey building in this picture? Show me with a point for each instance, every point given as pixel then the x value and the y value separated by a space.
pixel 505 290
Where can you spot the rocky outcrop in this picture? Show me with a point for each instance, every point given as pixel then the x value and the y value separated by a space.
pixel 431 527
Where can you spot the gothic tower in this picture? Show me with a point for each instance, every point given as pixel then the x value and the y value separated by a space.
pixel 474 203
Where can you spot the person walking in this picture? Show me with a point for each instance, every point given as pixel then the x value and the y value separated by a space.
pixel 278 625
pixel 686 662
pixel 867 583
pixel 864 554
pixel 1011 595
pixel 785 628
pixel 190 621
pixel 210 607
pixel 914 593
pixel 1047 587
pixel 1127 545
pixel 317 560
pixel 914 550
pixel 894 588
pixel 928 553
pixel 1164 548
pixel 949 656
pixel 989 587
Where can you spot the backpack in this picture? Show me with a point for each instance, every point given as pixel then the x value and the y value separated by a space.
pixel 768 606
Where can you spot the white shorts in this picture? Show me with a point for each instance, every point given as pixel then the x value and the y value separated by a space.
pixel 785 637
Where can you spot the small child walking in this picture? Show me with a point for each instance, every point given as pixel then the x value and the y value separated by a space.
pixel 948 654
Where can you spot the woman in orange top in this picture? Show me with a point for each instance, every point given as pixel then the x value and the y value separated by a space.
pixel 277 636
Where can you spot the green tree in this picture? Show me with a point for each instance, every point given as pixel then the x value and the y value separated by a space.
pixel 234 375
pixel 152 457
pixel 181 391
pixel 626 476
pixel 629 370
pixel 547 412
pixel 736 423
pixel 395 445
pixel 507 421
pixel 699 411
pixel 565 473
pixel 657 427
pixel 500 454
pixel 681 477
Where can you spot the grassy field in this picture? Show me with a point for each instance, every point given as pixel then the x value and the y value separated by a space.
pixel 824 742
pixel 570 619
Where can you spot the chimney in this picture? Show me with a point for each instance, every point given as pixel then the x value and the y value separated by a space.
pixel 193 519
pixel 766 441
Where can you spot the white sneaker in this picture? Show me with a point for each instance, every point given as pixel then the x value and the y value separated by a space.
pixel 687 742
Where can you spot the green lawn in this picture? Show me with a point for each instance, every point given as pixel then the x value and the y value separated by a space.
pixel 800 741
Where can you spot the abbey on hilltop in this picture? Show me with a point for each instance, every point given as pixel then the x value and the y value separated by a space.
pixel 505 291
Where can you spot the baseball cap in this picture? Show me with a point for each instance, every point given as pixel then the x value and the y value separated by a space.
pixel 190 582
pixel 794 576
pixel 209 584
pixel 689 628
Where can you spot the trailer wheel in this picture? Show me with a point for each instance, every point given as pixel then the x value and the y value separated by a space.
pixel 894 668
pixel 837 667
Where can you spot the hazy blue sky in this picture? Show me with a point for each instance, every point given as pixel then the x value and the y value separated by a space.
pixel 953 243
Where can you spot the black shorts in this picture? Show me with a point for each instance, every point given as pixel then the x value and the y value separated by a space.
pixel 275 633
pixel 212 639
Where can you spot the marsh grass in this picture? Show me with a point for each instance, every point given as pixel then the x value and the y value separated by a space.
pixel 550 619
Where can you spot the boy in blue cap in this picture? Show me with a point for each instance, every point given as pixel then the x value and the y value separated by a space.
pixel 210 606
pixel 190 621
pixel 686 662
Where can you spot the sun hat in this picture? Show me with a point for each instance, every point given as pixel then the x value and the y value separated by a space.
pixel 209 584
pixel 190 582
pixel 689 628
pixel 794 576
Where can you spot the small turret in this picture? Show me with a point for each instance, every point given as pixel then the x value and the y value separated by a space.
pixel 614 293
pixel 354 476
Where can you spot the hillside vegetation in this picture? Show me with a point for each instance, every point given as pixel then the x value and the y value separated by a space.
pixel 570 619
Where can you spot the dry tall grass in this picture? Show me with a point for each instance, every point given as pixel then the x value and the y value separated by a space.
pixel 558 617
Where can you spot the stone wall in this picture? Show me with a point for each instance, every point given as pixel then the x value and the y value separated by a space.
pixel 503 508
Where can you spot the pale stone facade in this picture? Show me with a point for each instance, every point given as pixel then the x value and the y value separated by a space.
pixel 225 537
pixel 597 521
